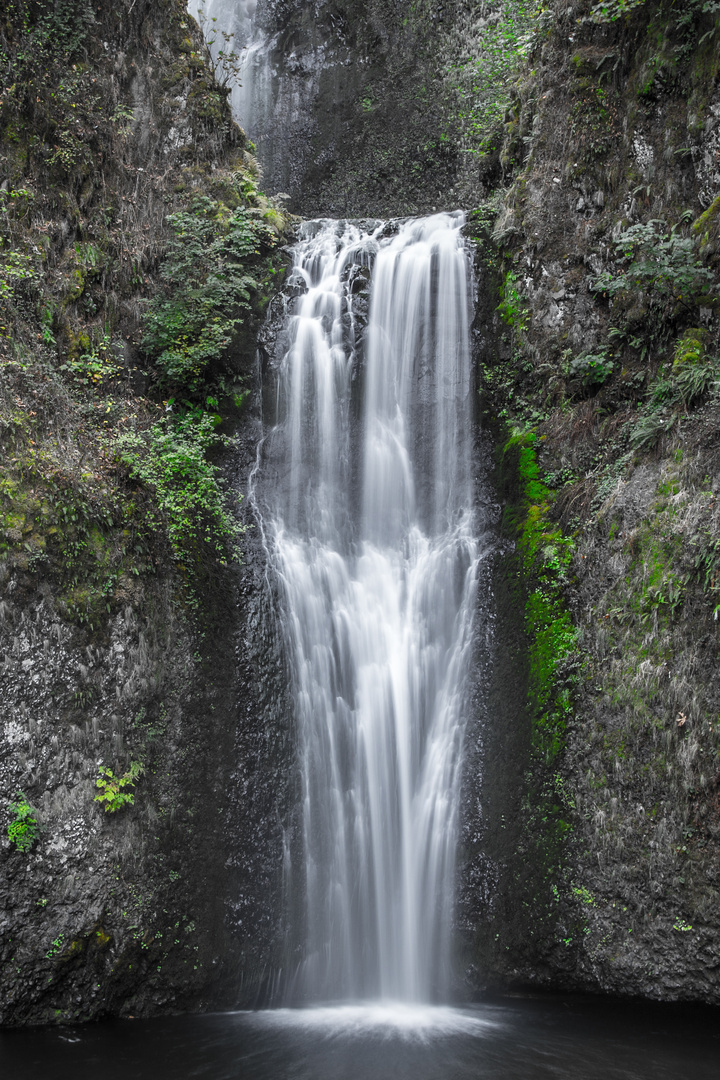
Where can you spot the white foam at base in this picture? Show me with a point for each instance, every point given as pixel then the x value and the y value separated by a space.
pixel 387 1019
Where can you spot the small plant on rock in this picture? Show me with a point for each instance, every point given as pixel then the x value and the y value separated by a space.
pixel 24 828
pixel 227 61
pixel 112 795
pixel 661 267
pixel 513 308
pixel 591 369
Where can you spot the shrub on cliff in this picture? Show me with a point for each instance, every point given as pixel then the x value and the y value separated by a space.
pixel 24 828
pixel 171 459
pixel 658 281
pixel 662 267
pixel 215 269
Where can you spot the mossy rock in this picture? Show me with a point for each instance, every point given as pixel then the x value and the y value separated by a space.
pixel 691 347
pixel 707 228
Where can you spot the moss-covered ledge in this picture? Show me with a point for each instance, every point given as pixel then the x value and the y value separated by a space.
pixel 532 919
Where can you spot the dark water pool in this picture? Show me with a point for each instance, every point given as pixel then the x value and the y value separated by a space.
pixel 512 1040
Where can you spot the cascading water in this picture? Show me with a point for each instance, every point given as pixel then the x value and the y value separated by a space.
pixel 250 91
pixel 367 486
pixel 284 56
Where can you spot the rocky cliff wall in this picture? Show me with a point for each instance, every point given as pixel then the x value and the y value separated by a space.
pixel 355 106
pixel 583 145
pixel 605 381
pixel 130 639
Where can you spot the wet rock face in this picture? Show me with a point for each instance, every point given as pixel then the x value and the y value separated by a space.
pixel 262 793
pixel 301 77
pixel 80 908
pixel 346 106
pixel 173 901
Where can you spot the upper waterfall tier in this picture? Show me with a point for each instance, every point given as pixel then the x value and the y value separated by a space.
pixel 232 27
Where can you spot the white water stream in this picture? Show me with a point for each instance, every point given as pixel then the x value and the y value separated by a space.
pixel 251 92
pixel 279 71
pixel 367 480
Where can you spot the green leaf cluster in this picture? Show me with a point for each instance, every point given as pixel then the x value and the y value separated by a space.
pixel 483 83
pixel 15 266
pixel 215 268
pixel 591 369
pixel 663 266
pixel 684 14
pixel 24 828
pixel 97 366
pixel 171 458
pixel 513 307
pixel 612 10
pixel 113 796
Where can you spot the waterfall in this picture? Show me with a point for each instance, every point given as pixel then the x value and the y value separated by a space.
pixel 282 61
pixel 251 94
pixel 367 507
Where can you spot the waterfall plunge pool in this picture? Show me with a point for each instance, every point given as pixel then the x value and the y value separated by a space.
pixel 511 1040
